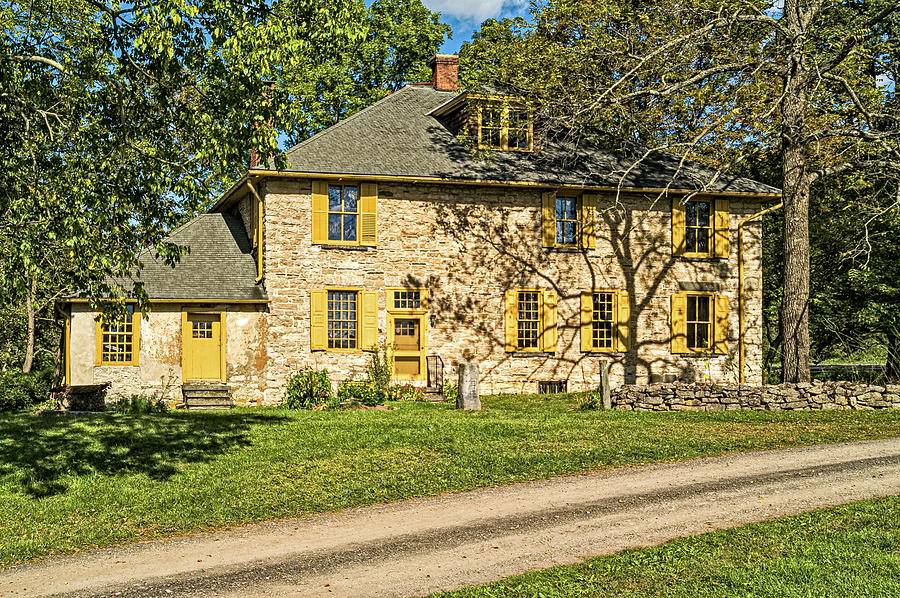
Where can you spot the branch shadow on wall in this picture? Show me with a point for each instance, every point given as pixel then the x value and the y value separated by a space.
pixel 42 455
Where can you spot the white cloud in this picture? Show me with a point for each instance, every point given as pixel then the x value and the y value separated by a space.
pixel 474 10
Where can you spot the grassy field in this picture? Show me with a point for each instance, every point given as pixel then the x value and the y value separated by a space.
pixel 849 551
pixel 68 483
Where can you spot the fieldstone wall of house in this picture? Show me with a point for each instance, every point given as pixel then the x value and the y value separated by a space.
pixel 467 245
pixel 715 397
pixel 158 372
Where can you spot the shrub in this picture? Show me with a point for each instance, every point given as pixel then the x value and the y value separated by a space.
pixel 591 401
pixel 19 390
pixel 139 405
pixel 307 389
pixel 404 392
pixel 382 367
pixel 451 391
pixel 360 391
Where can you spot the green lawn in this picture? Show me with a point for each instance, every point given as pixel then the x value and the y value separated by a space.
pixel 849 551
pixel 68 483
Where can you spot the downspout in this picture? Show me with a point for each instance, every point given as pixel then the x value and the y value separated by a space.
pixel 259 231
pixel 743 323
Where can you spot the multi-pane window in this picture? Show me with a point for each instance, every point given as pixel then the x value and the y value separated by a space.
pixel 602 321
pixel 519 129
pixel 502 127
pixel 342 320
pixel 343 209
pixel 491 127
pixel 699 322
pixel 407 299
pixel 117 342
pixel 566 221
pixel 698 226
pixel 528 319
pixel 201 329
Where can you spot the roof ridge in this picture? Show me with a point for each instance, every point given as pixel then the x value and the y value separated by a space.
pixel 352 117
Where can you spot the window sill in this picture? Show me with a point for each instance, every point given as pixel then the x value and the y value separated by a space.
pixel 700 354
pixel 701 258
pixel 346 247
pixel 532 354
pixel 564 249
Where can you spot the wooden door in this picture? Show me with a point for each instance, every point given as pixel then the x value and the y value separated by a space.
pixel 202 346
pixel 407 348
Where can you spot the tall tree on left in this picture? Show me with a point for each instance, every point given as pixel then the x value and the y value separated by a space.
pixel 119 120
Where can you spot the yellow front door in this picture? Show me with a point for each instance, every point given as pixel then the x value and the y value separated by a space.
pixel 408 347
pixel 202 346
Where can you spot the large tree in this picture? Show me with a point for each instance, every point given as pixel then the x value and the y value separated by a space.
pixel 722 81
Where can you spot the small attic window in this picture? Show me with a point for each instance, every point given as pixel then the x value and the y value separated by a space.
pixel 506 127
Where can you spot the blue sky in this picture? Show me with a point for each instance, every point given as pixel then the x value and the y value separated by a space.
pixel 465 16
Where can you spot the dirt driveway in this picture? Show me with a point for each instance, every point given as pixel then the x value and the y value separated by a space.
pixel 425 545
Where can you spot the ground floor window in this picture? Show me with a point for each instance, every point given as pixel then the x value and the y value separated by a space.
pixel 118 340
pixel 342 319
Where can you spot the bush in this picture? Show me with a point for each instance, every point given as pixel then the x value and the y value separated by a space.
pixel 381 369
pixel 360 391
pixel 451 391
pixel 405 392
pixel 591 401
pixel 139 405
pixel 19 390
pixel 307 389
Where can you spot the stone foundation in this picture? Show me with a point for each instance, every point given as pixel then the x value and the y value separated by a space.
pixel 715 397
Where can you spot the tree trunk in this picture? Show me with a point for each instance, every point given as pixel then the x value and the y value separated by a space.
pixel 892 366
pixel 29 310
pixel 795 187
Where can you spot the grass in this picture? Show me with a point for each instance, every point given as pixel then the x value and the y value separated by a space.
pixel 68 483
pixel 848 551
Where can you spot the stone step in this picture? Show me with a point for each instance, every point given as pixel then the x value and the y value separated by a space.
pixel 198 401
pixel 206 396
pixel 434 396
pixel 211 394
pixel 199 386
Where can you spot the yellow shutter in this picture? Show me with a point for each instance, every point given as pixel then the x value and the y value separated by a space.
pixel 510 320
pixel 318 320
pixel 721 245
pixel 136 318
pixel 679 222
pixel 368 320
pixel 368 214
pixel 548 218
pixel 548 339
pixel 721 325
pixel 587 317
pixel 624 314
pixel 679 323
pixel 319 212
pixel 588 221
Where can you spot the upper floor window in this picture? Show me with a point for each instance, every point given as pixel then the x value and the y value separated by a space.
pixel 567 220
pixel 344 214
pixel 118 340
pixel 700 227
pixel 505 127
pixel 343 210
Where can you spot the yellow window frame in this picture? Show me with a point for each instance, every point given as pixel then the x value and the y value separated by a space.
pixel 135 341
pixel 709 323
pixel 358 320
pixel 504 107
pixel 391 297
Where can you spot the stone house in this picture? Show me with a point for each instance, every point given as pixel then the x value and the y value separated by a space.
pixel 538 259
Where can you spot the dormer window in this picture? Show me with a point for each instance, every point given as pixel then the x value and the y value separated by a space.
pixel 502 126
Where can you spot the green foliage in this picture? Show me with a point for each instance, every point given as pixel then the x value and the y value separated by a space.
pixel 591 401
pixel 404 392
pixel 381 48
pixel 21 391
pixel 139 405
pixel 450 391
pixel 307 389
pixel 381 368
pixel 364 392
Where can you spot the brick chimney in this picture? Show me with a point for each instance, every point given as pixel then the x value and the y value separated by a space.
pixel 444 69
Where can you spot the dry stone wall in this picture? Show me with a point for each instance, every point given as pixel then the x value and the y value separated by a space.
pixel 715 397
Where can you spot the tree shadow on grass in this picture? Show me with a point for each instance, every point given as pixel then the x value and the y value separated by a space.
pixel 40 455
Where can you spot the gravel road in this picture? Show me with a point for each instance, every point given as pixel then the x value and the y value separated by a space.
pixel 425 545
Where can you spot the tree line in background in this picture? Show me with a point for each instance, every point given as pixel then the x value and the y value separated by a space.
pixel 119 122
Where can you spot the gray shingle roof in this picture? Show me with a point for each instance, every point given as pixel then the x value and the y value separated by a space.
pixel 219 267
pixel 396 136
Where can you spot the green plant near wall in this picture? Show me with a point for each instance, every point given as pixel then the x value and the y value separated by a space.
pixel 360 391
pixel 307 389
pixel 381 368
